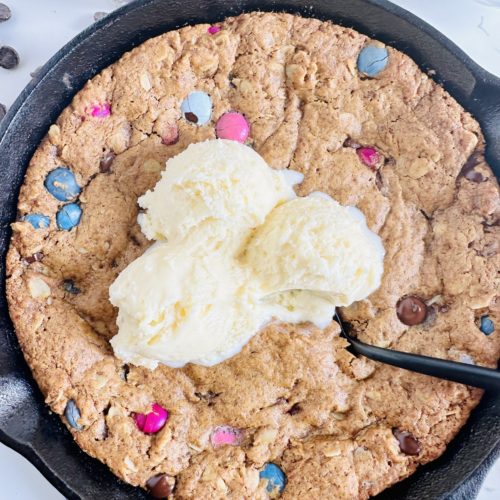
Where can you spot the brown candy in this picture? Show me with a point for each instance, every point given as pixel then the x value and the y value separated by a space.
pixel 408 444
pixel 411 310
pixel 106 162
pixel 158 486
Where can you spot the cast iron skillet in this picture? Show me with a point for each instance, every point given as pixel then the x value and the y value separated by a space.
pixel 25 422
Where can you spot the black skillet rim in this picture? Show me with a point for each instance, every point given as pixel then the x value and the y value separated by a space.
pixel 477 95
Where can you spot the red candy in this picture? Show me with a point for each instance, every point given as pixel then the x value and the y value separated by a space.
pixel 226 435
pixel 100 110
pixel 214 29
pixel 151 422
pixel 233 126
pixel 369 156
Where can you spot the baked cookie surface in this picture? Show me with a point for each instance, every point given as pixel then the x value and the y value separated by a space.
pixel 387 140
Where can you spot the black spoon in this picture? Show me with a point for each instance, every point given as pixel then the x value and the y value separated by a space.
pixel 463 373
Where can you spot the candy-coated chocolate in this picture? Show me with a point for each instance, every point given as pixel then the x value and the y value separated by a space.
pixel 38 221
pixel 369 156
pixel 72 414
pixel 226 435
pixel 151 422
pixel 197 107
pixel 233 126
pixel 372 60
pixel 275 477
pixel 68 216
pixel 61 184
pixel 486 325
pixel 100 110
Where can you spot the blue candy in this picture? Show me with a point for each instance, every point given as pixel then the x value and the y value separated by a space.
pixel 61 184
pixel 487 326
pixel 72 414
pixel 372 60
pixel 38 221
pixel 275 477
pixel 69 216
pixel 197 107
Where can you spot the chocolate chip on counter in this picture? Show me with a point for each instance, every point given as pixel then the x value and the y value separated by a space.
pixel 5 13
pixel 411 311
pixel 70 287
pixel 408 444
pixel 106 162
pixel 296 408
pixel 158 486
pixel 9 58
pixel 36 257
pixel 99 15
pixel 3 110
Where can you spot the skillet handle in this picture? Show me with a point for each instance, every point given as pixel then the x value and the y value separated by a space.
pixel 475 376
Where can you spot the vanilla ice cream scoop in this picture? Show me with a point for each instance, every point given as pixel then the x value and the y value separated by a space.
pixel 213 180
pixel 235 249
pixel 186 302
pixel 317 245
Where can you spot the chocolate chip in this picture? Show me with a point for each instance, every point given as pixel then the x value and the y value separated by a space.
pixel 407 442
pixel 468 169
pixel 106 162
pixel 158 486
pixel 191 117
pixel 489 249
pixel 474 176
pixel 9 58
pixel 208 397
pixel 3 110
pixel 70 287
pixel 36 257
pixel 124 372
pixel 349 143
pixel 411 311
pixel 5 12
pixel 296 408
pixel 99 15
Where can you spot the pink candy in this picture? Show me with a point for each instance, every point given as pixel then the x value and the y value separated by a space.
pixel 100 110
pixel 151 422
pixel 214 29
pixel 369 156
pixel 226 435
pixel 233 126
pixel 170 135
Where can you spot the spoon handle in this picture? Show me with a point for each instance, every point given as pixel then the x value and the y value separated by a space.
pixel 476 376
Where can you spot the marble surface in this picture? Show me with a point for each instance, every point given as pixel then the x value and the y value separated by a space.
pixel 38 28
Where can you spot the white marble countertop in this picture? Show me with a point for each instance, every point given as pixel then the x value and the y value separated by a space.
pixel 38 28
